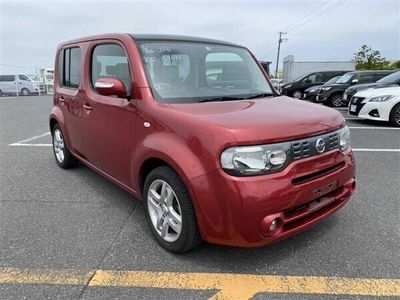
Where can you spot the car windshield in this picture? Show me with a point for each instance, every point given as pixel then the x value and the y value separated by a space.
pixel 332 80
pixel 392 78
pixel 187 72
pixel 345 78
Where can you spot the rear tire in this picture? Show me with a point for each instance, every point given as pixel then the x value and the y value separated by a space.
pixel 63 156
pixel 394 117
pixel 169 211
pixel 336 100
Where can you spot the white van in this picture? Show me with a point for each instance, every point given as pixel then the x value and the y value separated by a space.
pixel 17 85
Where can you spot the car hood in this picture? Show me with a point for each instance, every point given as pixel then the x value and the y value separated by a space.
pixel 265 120
pixel 337 85
pixel 379 92
pixel 313 88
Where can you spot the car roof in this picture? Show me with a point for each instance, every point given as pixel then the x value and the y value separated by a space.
pixel 152 37
pixel 372 71
pixel 180 38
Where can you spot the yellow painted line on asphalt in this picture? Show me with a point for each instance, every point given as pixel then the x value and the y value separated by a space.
pixel 227 286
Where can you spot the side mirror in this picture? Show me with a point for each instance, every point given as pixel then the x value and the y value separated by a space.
pixel 308 81
pixel 110 86
pixel 354 81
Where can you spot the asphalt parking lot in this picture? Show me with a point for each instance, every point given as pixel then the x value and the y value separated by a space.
pixel 73 234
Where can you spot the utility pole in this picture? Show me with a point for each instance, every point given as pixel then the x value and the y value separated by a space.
pixel 279 50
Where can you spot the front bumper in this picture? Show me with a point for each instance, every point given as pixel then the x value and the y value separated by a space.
pixel 310 95
pixel 370 110
pixel 321 97
pixel 347 96
pixel 236 211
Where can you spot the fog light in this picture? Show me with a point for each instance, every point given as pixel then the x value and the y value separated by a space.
pixel 374 113
pixel 273 225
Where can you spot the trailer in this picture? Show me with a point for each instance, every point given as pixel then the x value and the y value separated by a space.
pixel 294 69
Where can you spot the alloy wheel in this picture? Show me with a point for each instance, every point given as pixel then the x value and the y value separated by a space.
pixel 58 145
pixel 397 115
pixel 164 210
pixel 337 101
pixel 297 95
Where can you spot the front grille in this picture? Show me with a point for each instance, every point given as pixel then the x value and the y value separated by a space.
pixel 301 149
pixel 307 147
pixel 357 101
pixel 315 175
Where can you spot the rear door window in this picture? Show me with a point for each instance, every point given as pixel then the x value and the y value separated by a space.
pixel 7 78
pixel 366 78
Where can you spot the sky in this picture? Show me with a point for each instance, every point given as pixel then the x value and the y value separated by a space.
pixel 317 30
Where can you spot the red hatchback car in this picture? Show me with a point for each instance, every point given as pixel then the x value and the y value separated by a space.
pixel 193 128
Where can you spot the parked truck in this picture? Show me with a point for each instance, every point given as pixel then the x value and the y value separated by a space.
pixel 294 69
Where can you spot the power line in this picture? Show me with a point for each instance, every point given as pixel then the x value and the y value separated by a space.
pixel 307 15
pixel 320 13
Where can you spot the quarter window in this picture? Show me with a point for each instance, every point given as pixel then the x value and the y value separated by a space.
pixel 110 60
pixel 70 63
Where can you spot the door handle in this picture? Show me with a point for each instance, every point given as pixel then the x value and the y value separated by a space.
pixel 87 107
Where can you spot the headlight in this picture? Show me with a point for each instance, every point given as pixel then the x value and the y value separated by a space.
pixel 344 138
pixel 287 86
pixel 326 88
pixel 256 160
pixel 312 91
pixel 381 98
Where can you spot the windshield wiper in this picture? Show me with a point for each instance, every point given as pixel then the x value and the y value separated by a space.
pixel 221 98
pixel 231 98
pixel 260 96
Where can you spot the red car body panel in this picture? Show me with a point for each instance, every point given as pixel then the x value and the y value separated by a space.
pixel 108 135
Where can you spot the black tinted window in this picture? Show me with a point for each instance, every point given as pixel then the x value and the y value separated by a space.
pixel 7 78
pixel 109 60
pixel 364 78
pixel 71 74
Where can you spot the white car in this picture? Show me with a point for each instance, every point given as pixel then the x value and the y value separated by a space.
pixel 381 104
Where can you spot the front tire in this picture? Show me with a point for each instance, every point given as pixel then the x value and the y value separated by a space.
pixel 297 94
pixel 394 117
pixel 336 100
pixel 169 211
pixel 63 156
pixel 25 92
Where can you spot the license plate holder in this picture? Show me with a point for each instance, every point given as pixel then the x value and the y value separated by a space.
pixel 325 189
pixel 353 108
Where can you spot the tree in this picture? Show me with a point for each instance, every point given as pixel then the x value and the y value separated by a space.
pixel 395 65
pixel 368 59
